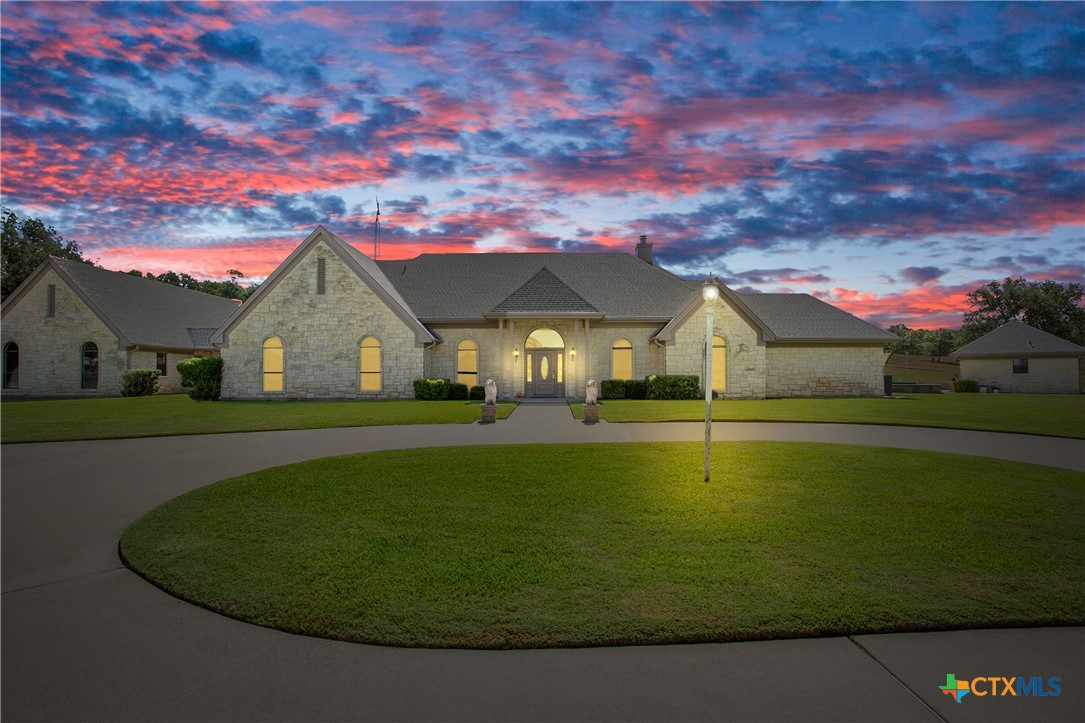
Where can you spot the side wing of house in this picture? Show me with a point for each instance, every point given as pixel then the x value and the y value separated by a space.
pixel 1020 358
pixel 55 344
pixel 325 325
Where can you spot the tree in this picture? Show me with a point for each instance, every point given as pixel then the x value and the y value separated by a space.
pixel 1046 305
pixel 939 343
pixel 909 342
pixel 25 245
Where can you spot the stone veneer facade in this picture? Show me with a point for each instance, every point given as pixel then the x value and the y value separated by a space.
pixel 321 336
pixel 1046 375
pixel 50 348
pixel 745 354
pixel 796 370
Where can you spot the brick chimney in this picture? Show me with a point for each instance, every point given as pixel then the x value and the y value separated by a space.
pixel 644 250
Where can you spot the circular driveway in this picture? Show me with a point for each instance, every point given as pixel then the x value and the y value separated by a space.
pixel 84 638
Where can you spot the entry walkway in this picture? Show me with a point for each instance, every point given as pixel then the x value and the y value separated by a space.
pixel 85 639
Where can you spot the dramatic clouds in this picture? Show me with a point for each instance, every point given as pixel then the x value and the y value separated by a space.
pixel 886 157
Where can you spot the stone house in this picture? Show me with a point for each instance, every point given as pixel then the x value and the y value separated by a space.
pixel 1020 358
pixel 332 323
pixel 72 329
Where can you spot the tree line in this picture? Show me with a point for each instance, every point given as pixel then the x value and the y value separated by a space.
pixel 1047 305
pixel 27 242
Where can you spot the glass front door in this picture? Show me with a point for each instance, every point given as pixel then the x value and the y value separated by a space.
pixel 545 373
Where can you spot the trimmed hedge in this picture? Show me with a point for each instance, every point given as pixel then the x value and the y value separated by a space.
pixel 636 389
pixel 203 377
pixel 140 382
pixel 432 390
pixel 458 391
pixel 673 386
pixel 612 389
pixel 477 392
pixel 966 385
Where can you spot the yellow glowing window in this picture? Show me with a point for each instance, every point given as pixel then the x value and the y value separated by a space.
pixel 370 366
pixel 467 363
pixel 621 359
pixel 719 363
pixel 273 365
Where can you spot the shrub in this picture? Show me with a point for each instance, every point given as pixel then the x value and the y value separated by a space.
pixel 431 390
pixel 458 391
pixel 477 392
pixel 966 385
pixel 673 386
pixel 140 382
pixel 612 389
pixel 202 377
pixel 636 389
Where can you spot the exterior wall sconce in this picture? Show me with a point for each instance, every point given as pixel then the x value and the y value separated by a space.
pixel 516 353
pixel 572 354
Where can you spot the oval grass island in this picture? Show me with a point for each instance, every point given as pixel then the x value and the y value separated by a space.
pixel 612 544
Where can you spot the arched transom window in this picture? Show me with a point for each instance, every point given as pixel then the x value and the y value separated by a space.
pixel 467 363
pixel 545 339
pixel 621 359
pixel 370 365
pixel 273 365
pixel 719 363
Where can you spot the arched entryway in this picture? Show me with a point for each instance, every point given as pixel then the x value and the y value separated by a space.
pixel 544 364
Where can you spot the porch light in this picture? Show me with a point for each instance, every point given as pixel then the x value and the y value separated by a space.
pixel 516 353
pixel 572 353
pixel 709 292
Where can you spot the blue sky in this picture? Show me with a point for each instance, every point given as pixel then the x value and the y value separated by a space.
pixel 885 157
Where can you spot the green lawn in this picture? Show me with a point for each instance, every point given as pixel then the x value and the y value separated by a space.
pixel 1059 415
pixel 571 545
pixel 68 419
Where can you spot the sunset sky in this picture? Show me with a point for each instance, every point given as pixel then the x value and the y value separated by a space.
pixel 887 158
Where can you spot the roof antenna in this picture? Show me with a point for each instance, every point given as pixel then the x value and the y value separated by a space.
pixel 377 231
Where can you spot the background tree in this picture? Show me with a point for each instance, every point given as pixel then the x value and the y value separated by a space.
pixel 1047 305
pixel 908 343
pixel 26 243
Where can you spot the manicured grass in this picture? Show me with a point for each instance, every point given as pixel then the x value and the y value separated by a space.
pixel 572 545
pixel 1058 415
pixel 69 419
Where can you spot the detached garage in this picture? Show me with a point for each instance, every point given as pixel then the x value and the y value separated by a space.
pixel 1021 359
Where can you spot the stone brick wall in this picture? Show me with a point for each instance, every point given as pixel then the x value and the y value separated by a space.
pixel 171 382
pixel 321 335
pixel 50 347
pixel 745 357
pixel 823 371
pixel 1046 375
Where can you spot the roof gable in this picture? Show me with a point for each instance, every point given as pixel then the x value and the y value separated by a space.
pixel 141 312
pixel 544 293
pixel 365 268
pixel 1016 338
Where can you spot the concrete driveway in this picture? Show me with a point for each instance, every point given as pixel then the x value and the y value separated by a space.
pixel 85 639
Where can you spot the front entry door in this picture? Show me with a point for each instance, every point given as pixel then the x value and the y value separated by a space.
pixel 545 373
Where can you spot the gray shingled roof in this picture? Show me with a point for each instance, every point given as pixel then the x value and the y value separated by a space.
pixel 451 287
pixel 544 293
pixel 1018 338
pixel 148 313
pixel 797 317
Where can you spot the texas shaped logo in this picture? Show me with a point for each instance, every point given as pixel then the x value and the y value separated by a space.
pixel 958 689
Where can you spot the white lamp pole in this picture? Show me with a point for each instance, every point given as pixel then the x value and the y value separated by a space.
pixel 709 292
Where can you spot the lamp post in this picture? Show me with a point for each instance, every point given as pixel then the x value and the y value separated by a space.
pixel 709 292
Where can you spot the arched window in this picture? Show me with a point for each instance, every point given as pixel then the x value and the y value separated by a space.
pixel 719 363
pixel 370 365
pixel 621 359
pixel 11 365
pixel 467 363
pixel 273 365
pixel 89 366
pixel 545 338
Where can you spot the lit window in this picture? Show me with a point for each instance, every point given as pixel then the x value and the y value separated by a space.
pixel 273 365
pixel 467 363
pixel 621 359
pixel 370 367
pixel 1020 366
pixel 545 339
pixel 11 365
pixel 719 363
pixel 160 363
pixel 89 366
